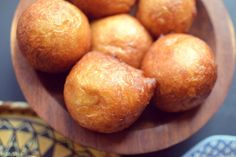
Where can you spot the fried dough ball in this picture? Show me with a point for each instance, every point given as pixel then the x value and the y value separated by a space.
pixel 53 35
pixel 101 8
pixel 165 16
pixel 185 71
pixel 121 36
pixel 105 95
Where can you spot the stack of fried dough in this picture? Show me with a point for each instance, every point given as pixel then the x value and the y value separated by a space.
pixel 118 61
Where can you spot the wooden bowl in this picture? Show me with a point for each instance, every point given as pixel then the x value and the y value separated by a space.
pixel 154 130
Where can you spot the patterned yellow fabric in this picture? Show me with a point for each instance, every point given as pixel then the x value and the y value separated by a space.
pixel 26 135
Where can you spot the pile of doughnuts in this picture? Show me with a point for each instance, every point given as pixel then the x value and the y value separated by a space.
pixel 116 66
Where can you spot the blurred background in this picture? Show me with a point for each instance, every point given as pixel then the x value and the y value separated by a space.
pixel 9 89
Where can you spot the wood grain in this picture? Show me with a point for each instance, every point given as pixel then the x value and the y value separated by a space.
pixel 154 130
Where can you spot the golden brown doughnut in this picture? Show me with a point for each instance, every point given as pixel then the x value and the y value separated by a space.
pixel 121 36
pixel 165 16
pixel 101 8
pixel 185 71
pixel 105 95
pixel 53 35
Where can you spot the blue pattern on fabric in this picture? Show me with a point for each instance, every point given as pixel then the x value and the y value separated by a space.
pixel 214 146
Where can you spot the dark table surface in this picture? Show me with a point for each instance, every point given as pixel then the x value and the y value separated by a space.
pixel 221 123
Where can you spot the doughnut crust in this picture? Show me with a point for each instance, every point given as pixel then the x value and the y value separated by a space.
pixel 165 16
pixel 53 35
pixel 105 95
pixel 185 71
pixel 121 36
pixel 101 8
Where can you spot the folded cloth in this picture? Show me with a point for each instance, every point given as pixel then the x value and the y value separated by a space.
pixel 23 134
pixel 214 146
